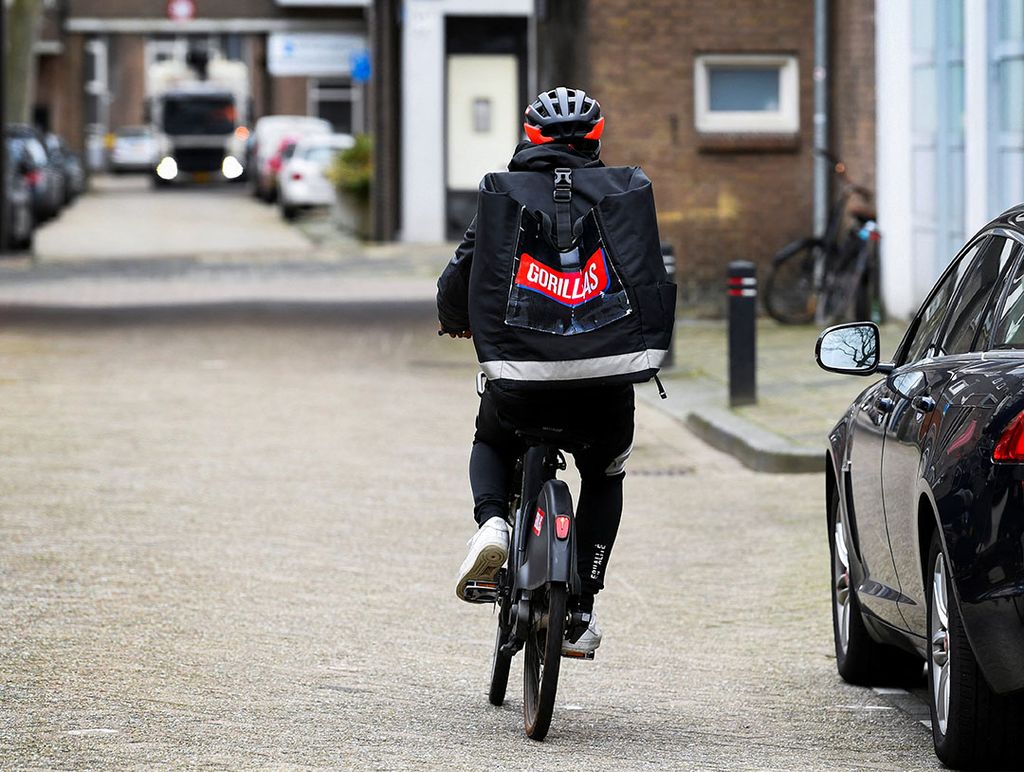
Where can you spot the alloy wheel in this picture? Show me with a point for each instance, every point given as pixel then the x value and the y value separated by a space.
pixel 939 661
pixel 841 581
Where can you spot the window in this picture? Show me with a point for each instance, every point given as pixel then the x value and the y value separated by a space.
pixel 747 94
pixel 337 101
pixel 969 312
pixel 921 334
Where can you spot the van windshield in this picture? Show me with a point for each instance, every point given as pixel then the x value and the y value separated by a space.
pixel 199 114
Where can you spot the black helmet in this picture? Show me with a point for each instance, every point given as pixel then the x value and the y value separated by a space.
pixel 562 115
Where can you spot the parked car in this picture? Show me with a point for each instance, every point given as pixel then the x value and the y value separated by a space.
pixel 303 178
pixel 925 501
pixel 134 149
pixel 20 217
pixel 266 143
pixel 70 165
pixel 46 179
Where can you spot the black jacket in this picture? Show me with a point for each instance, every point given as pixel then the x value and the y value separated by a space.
pixel 453 286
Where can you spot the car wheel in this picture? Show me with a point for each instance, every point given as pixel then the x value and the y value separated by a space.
pixel 860 659
pixel 289 212
pixel 971 725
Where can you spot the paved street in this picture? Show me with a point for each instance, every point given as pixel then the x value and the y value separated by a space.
pixel 124 217
pixel 230 540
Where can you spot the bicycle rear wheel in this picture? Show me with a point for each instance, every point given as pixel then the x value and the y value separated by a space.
pixel 543 658
pixel 845 293
pixel 789 295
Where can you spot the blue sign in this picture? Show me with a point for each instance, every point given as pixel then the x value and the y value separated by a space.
pixel 361 66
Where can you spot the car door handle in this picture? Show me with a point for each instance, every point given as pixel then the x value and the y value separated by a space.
pixel 923 404
pixel 884 404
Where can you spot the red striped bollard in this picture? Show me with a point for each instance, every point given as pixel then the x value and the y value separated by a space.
pixel 741 289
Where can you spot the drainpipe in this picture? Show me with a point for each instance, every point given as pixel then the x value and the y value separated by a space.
pixel 821 165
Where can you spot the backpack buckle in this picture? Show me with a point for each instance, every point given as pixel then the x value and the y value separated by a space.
pixel 563 186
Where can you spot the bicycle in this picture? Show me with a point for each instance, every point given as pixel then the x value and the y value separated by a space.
pixel 536 588
pixel 829 279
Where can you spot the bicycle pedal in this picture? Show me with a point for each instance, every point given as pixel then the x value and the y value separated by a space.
pixel 481 592
pixel 575 655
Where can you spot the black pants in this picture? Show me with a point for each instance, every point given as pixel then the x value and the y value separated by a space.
pixel 601 417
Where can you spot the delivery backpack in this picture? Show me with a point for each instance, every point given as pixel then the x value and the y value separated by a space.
pixel 569 302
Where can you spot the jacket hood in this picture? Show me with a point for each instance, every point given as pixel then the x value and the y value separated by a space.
pixel 542 158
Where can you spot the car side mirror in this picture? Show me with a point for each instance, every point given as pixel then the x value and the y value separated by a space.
pixel 850 349
pixel 908 384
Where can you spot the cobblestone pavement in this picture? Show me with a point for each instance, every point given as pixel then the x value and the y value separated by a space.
pixel 231 542
pixel 123 217
pixel 797 400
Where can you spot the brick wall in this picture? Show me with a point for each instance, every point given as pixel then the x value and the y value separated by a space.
pixel 853 87
pixel 719 199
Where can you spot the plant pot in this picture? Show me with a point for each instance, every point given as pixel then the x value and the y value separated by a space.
pixel 354 214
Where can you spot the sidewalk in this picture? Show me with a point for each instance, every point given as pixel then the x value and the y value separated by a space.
pixel 784 432
pixel 798 403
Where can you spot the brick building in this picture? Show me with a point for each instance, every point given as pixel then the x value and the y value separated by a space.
pixel 714 98
pixel 93 56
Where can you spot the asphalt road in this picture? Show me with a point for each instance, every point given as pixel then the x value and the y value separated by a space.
pixel 232 542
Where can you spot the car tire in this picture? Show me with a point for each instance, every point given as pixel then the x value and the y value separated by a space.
pixel 288 212
pixel 971 725
pixel 860 659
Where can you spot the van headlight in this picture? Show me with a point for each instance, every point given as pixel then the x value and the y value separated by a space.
pixel 167 169
pixel 231 168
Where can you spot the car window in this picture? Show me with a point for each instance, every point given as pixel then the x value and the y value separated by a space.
pixel 926 325
pixel 972 303
pixel 1009 326
pixel 321 154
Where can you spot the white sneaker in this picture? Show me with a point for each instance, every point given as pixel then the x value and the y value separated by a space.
pixel 488 550
pixel 587 644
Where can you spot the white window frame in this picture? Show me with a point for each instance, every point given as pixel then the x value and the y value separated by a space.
pixel 353 93
pixel 785 120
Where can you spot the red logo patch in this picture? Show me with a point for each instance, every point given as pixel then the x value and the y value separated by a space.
pixel 538 521
pixel 572 288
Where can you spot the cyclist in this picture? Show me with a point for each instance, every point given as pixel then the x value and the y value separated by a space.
pixel 563 127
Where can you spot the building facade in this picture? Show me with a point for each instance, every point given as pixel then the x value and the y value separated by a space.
pixel 950 131
pixel 93 56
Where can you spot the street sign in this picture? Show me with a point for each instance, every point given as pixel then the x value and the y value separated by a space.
pixel 361 66
pixel 316 54
pixel 181 10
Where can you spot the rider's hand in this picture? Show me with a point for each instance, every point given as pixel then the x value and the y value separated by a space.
pixel 459 334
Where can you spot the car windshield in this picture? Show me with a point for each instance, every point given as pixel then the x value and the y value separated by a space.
pixel 133 132
pixel 322 154
pixel 199 114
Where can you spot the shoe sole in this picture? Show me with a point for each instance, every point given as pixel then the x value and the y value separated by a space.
pixel 485 569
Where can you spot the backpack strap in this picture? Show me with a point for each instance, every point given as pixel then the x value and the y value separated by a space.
pixel 563 214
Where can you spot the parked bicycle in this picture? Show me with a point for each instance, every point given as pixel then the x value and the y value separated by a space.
pixel 536 588
pixel 834 277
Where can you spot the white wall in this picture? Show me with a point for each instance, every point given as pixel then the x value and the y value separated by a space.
pixel 423 107
pixel 893 100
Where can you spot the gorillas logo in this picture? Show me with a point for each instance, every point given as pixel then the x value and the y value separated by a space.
pixel 571 289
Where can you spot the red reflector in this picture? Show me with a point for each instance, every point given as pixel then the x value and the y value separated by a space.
pixel 33 177
pixel 296 175
pixel 562 527
pixel 1011 445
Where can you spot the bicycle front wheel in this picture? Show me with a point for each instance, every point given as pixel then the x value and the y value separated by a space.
pixel 789 295
pixel 543 658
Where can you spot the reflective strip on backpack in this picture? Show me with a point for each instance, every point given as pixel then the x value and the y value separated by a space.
pixel 574 369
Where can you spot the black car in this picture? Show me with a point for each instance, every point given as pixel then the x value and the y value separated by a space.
pixel 925 494
pixel 47 178
pixel 20 217
pixel 69 164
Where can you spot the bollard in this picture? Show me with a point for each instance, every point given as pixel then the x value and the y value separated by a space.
pixel 742 293
pixel 668 255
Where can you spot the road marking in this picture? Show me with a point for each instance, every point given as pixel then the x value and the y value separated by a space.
pixel 91 732
pixel 888 690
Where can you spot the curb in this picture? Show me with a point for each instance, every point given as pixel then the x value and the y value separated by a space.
pixel 752 446
pixel 694 403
